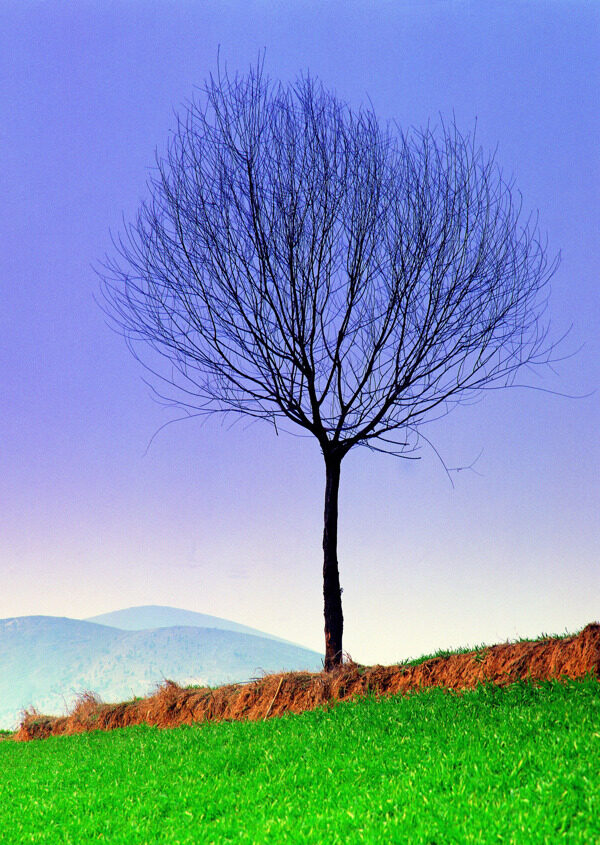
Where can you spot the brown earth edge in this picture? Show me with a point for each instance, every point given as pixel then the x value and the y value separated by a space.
pixel 295 692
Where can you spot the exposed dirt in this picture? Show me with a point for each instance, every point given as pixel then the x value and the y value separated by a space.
pixel 273 695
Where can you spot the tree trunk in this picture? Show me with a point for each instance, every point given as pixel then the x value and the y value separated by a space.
pixel 332 594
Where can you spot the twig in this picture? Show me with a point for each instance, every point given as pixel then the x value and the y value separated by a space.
pixel 273 699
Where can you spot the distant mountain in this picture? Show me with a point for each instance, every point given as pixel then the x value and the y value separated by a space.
pixel 159 616
pixel 45 661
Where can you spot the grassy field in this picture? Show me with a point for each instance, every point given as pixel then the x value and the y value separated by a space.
pixel 518 764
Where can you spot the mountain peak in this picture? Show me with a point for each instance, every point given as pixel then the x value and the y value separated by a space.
pixel 144 617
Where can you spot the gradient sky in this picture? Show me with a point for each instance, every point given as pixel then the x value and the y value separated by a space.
pixel 228 521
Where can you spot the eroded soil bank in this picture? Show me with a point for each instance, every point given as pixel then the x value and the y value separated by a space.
pixel 273 695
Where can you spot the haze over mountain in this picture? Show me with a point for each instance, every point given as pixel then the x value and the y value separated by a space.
pixel 160 616
pixel 46 661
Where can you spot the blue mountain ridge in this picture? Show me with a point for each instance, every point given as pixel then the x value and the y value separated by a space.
pixel 47 661
pixel 160 616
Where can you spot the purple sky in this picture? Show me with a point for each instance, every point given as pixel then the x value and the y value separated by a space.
pixel 229 521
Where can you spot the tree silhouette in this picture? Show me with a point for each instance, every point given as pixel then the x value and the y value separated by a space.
pixel 295 259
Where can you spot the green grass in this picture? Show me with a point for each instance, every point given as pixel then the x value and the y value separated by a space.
pixel 518 764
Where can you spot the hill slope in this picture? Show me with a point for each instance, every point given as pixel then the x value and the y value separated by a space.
pixel 45 661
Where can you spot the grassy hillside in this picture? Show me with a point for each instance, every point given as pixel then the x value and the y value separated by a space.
pixel 512 764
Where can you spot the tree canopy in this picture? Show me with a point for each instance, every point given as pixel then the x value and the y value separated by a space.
pixel 298 260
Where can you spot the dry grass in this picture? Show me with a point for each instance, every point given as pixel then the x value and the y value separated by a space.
pixel 170 705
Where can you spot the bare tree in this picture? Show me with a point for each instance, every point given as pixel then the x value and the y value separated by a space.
pixel 298 260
